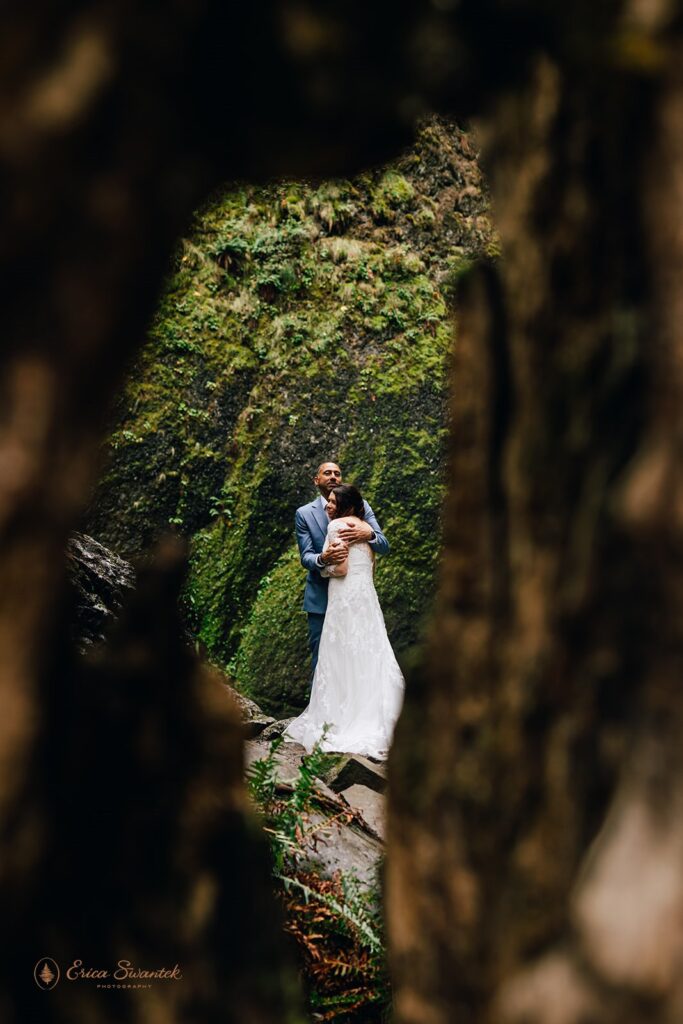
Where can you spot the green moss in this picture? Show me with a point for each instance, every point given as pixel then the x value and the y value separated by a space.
pixel 273 661
pixel 298 323
pixel 391 193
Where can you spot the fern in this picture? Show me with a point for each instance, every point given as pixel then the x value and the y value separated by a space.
pixel 311 767
pixel 262 776
pixel 337 923
pixel 351 911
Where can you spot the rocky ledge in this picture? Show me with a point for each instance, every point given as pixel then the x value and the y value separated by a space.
pixel 99 580
pixel 349 799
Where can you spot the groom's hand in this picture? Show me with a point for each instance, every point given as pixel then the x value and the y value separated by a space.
pixel 355 532
pixel 336 553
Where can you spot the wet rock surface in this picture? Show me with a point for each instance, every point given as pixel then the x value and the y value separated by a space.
pixel 355 769
pixel 255 721
pixel 99 579
pixel 370 804
pixel 349 800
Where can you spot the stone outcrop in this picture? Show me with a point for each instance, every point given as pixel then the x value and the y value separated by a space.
pixel 255 721
pixel 99 579
pixel 355 769
pixel 369 803
pixel 349 799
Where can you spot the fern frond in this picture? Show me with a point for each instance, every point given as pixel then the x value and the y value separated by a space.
pixel 346 911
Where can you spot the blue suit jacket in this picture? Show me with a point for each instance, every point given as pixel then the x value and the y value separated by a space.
pixel 311 524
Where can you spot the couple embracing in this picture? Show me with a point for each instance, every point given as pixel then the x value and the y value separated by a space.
pixel 357 687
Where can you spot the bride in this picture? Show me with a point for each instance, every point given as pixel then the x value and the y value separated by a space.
pixel 357 688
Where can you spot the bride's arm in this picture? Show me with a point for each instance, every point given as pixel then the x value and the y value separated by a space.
pixel 340 568
pixel 335 568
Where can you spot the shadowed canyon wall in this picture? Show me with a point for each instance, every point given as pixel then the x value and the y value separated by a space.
pixel 300 323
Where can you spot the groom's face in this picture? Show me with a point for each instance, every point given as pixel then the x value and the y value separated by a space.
pixel 329 475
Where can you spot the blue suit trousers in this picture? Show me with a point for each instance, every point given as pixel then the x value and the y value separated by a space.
pixel 315 628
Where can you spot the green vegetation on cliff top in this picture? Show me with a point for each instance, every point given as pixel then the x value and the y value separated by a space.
pixel 299 323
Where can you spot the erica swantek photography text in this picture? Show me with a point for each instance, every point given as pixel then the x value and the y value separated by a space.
pixel 125 975
pixel 125 971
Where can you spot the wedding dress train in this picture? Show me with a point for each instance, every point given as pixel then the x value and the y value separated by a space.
pixel 357 687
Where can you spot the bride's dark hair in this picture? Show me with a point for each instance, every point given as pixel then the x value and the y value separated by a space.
pixel 349 501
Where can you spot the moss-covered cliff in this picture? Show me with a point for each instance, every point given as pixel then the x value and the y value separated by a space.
pixel 300 323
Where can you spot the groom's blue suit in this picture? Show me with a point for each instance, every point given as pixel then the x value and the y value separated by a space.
pixel 311 522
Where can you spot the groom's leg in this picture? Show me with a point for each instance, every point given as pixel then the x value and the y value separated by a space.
pixel 315 628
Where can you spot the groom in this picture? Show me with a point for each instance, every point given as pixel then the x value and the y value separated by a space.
pixel 311 522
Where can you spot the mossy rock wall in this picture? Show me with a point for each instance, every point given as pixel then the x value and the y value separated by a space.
pixel 300 323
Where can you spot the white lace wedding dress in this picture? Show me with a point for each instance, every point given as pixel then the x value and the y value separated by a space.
pixel 357 687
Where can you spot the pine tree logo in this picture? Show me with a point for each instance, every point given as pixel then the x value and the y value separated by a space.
pixel 46 973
